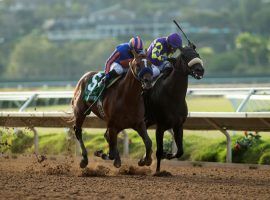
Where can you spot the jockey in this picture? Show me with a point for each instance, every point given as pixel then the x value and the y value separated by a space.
pixel 161 49
pixel 118 62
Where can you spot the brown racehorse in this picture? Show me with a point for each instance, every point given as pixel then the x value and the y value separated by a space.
pixel 123 107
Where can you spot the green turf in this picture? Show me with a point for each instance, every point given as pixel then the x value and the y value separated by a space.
pixel 209 104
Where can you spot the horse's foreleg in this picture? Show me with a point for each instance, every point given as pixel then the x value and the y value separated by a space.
pixel 147 160
pixel 100 153
pixel 111 137
pixel 78 133
pixel 159 152
pixel 178 137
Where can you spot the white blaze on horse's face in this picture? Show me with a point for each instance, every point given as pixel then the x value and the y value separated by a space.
pixel 145 62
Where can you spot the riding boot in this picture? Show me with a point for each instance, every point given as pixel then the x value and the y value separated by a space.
pixel 111 75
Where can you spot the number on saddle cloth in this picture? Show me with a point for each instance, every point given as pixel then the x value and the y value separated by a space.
pixel 94 87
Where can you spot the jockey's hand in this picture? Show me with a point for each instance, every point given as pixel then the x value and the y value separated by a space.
pixel 172 60
pixel 164 58
pixel 166 64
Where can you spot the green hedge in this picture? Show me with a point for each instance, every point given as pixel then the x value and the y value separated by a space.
pixel 197 147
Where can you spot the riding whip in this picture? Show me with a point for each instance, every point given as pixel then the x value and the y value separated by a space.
pixel 182 31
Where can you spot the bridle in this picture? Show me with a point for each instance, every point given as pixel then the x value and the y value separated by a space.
pixel 132 70
pixel 133 73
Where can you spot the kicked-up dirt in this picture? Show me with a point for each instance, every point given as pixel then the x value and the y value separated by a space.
pixel 32 177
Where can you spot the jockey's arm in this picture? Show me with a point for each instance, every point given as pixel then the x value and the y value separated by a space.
pixel 114 56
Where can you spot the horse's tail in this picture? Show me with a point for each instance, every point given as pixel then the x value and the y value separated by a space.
pixel 78 93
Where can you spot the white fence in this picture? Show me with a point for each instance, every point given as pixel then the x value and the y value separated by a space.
pixel 222 121
pixel 243 94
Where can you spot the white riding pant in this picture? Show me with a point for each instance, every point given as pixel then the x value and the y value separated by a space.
pixel 158 69
pixel 118 68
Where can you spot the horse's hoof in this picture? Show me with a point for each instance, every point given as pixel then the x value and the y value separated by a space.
pixel 98 153
pixel 170 156
pixel 148 162
pixel 105 156
pixel 141 162
pixel 144 162
pixel 117 163
pixel 83 163
pixel 111 156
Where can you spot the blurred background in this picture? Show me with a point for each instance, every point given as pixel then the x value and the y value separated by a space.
pixel 59 40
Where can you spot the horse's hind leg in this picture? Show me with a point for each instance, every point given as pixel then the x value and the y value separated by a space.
pixel 79 119
pixel 147 160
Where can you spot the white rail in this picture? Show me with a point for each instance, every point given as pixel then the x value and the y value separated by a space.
pixel 222 121
pixel 24 95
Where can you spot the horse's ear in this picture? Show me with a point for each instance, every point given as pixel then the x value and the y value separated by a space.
pixel 192 45
pixel 145 51
pixel 134 53
pixel 181 49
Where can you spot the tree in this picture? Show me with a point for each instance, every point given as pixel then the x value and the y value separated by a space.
pixel 250 47
pixel 35 57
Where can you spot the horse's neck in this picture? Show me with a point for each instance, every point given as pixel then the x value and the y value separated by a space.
pixel 130 87
pixel 177 81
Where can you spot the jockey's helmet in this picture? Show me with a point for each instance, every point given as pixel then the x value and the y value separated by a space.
pixel 136 43
pixel 175 40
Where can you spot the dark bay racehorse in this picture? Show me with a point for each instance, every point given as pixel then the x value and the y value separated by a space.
pixel 123 108
pixel 165 103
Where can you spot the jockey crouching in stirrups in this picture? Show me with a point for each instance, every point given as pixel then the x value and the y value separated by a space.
pixel 118 62
pixel 160 50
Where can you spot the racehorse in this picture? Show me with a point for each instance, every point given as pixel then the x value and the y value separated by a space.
pixel 123 108
pixel 165 103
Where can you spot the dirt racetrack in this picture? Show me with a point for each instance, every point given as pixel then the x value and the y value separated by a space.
pixel 31 177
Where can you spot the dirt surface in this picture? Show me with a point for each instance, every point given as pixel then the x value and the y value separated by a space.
pixel 31 177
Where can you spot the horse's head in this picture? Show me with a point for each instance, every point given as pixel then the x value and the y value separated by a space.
pixel 193 64
pixel 141 69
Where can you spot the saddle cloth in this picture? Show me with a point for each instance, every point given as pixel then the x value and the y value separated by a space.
pixel 96 86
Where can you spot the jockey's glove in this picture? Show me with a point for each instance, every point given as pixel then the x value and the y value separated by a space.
pixel 164 58
pixel 172 60
pixel 166 64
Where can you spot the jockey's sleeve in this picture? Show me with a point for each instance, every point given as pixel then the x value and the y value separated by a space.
pixel 115 55
pixel 156 53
